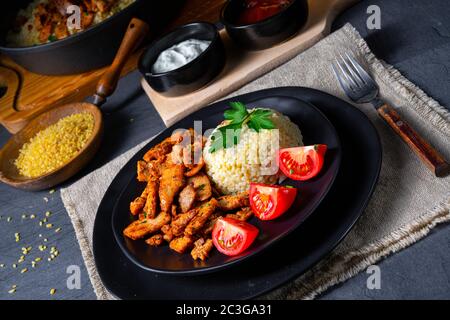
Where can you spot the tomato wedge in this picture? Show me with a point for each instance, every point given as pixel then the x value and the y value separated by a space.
pixel 270 201
pixel 232 237
pixel 302 163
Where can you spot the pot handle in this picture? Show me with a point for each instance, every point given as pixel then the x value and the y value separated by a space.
pixel 136 32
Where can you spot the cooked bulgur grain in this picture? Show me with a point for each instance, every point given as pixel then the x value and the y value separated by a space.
pixel 253 159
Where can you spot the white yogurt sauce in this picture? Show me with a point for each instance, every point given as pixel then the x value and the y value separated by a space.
pixel 179 55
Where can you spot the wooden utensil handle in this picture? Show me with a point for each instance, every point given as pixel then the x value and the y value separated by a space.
pixel 427 153
pixel 136 33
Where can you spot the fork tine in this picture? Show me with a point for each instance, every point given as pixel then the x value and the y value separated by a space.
pixel 341 79
pixel 361 71
pixel 353 72
pixel 352 85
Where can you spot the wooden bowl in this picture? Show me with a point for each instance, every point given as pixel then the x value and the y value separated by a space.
pixel 9 153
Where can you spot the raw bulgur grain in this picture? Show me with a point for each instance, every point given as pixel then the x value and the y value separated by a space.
pixel 54 146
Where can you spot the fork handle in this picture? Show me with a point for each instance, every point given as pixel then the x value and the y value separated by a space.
pixel 426 152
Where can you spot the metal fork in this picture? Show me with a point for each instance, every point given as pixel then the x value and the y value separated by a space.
pixel 360 87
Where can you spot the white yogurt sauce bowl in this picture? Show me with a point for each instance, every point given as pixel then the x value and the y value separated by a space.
pixel 193 75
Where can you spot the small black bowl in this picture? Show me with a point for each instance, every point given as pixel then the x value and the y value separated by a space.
pixel 193 75
pixel 265 33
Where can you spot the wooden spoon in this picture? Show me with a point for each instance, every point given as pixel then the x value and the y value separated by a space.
pixel 9 174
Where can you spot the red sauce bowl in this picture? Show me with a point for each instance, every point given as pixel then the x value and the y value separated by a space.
pixel 269 28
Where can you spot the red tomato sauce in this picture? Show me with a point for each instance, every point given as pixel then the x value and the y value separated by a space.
pixel 258 10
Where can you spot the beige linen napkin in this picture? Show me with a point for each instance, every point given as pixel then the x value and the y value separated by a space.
pixel 408 202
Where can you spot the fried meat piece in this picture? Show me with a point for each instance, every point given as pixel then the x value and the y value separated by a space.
pixel 244 214
pixel 142 171
pixel 167 231
pixel 188 151
pixel 171 181
pixel 182 220
pixel 138 204
pixel 155 240
pixel 202 186
pixel 205 211
pixel 45 33
pixel 140 228
pixel 195 168
pixel 61 30
pixel 160 150
pixel 152 199
pixel 181 244
pixel 87 18
pixel 233 202
pixel 193 159
pixel 62 5
pixel 202 249
pixel 186 198
pixel 151 170
pixel 174 211
pixel 103 5
pixel 209 225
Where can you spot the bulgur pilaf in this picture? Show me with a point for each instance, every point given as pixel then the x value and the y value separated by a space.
pixel 253 158
pixel 54 146
pixel 44 21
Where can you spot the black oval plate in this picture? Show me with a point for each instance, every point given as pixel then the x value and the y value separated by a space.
pixel 285 260
pixel 315 129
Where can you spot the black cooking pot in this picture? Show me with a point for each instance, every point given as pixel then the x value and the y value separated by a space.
pixel 87 50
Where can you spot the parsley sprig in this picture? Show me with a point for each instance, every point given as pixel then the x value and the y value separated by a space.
pixel 229 135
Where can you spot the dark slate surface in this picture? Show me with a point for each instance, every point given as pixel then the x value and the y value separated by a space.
pixel 415 37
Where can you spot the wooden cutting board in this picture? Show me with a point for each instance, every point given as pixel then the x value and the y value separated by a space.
pixel 243 67
pixel 29 94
